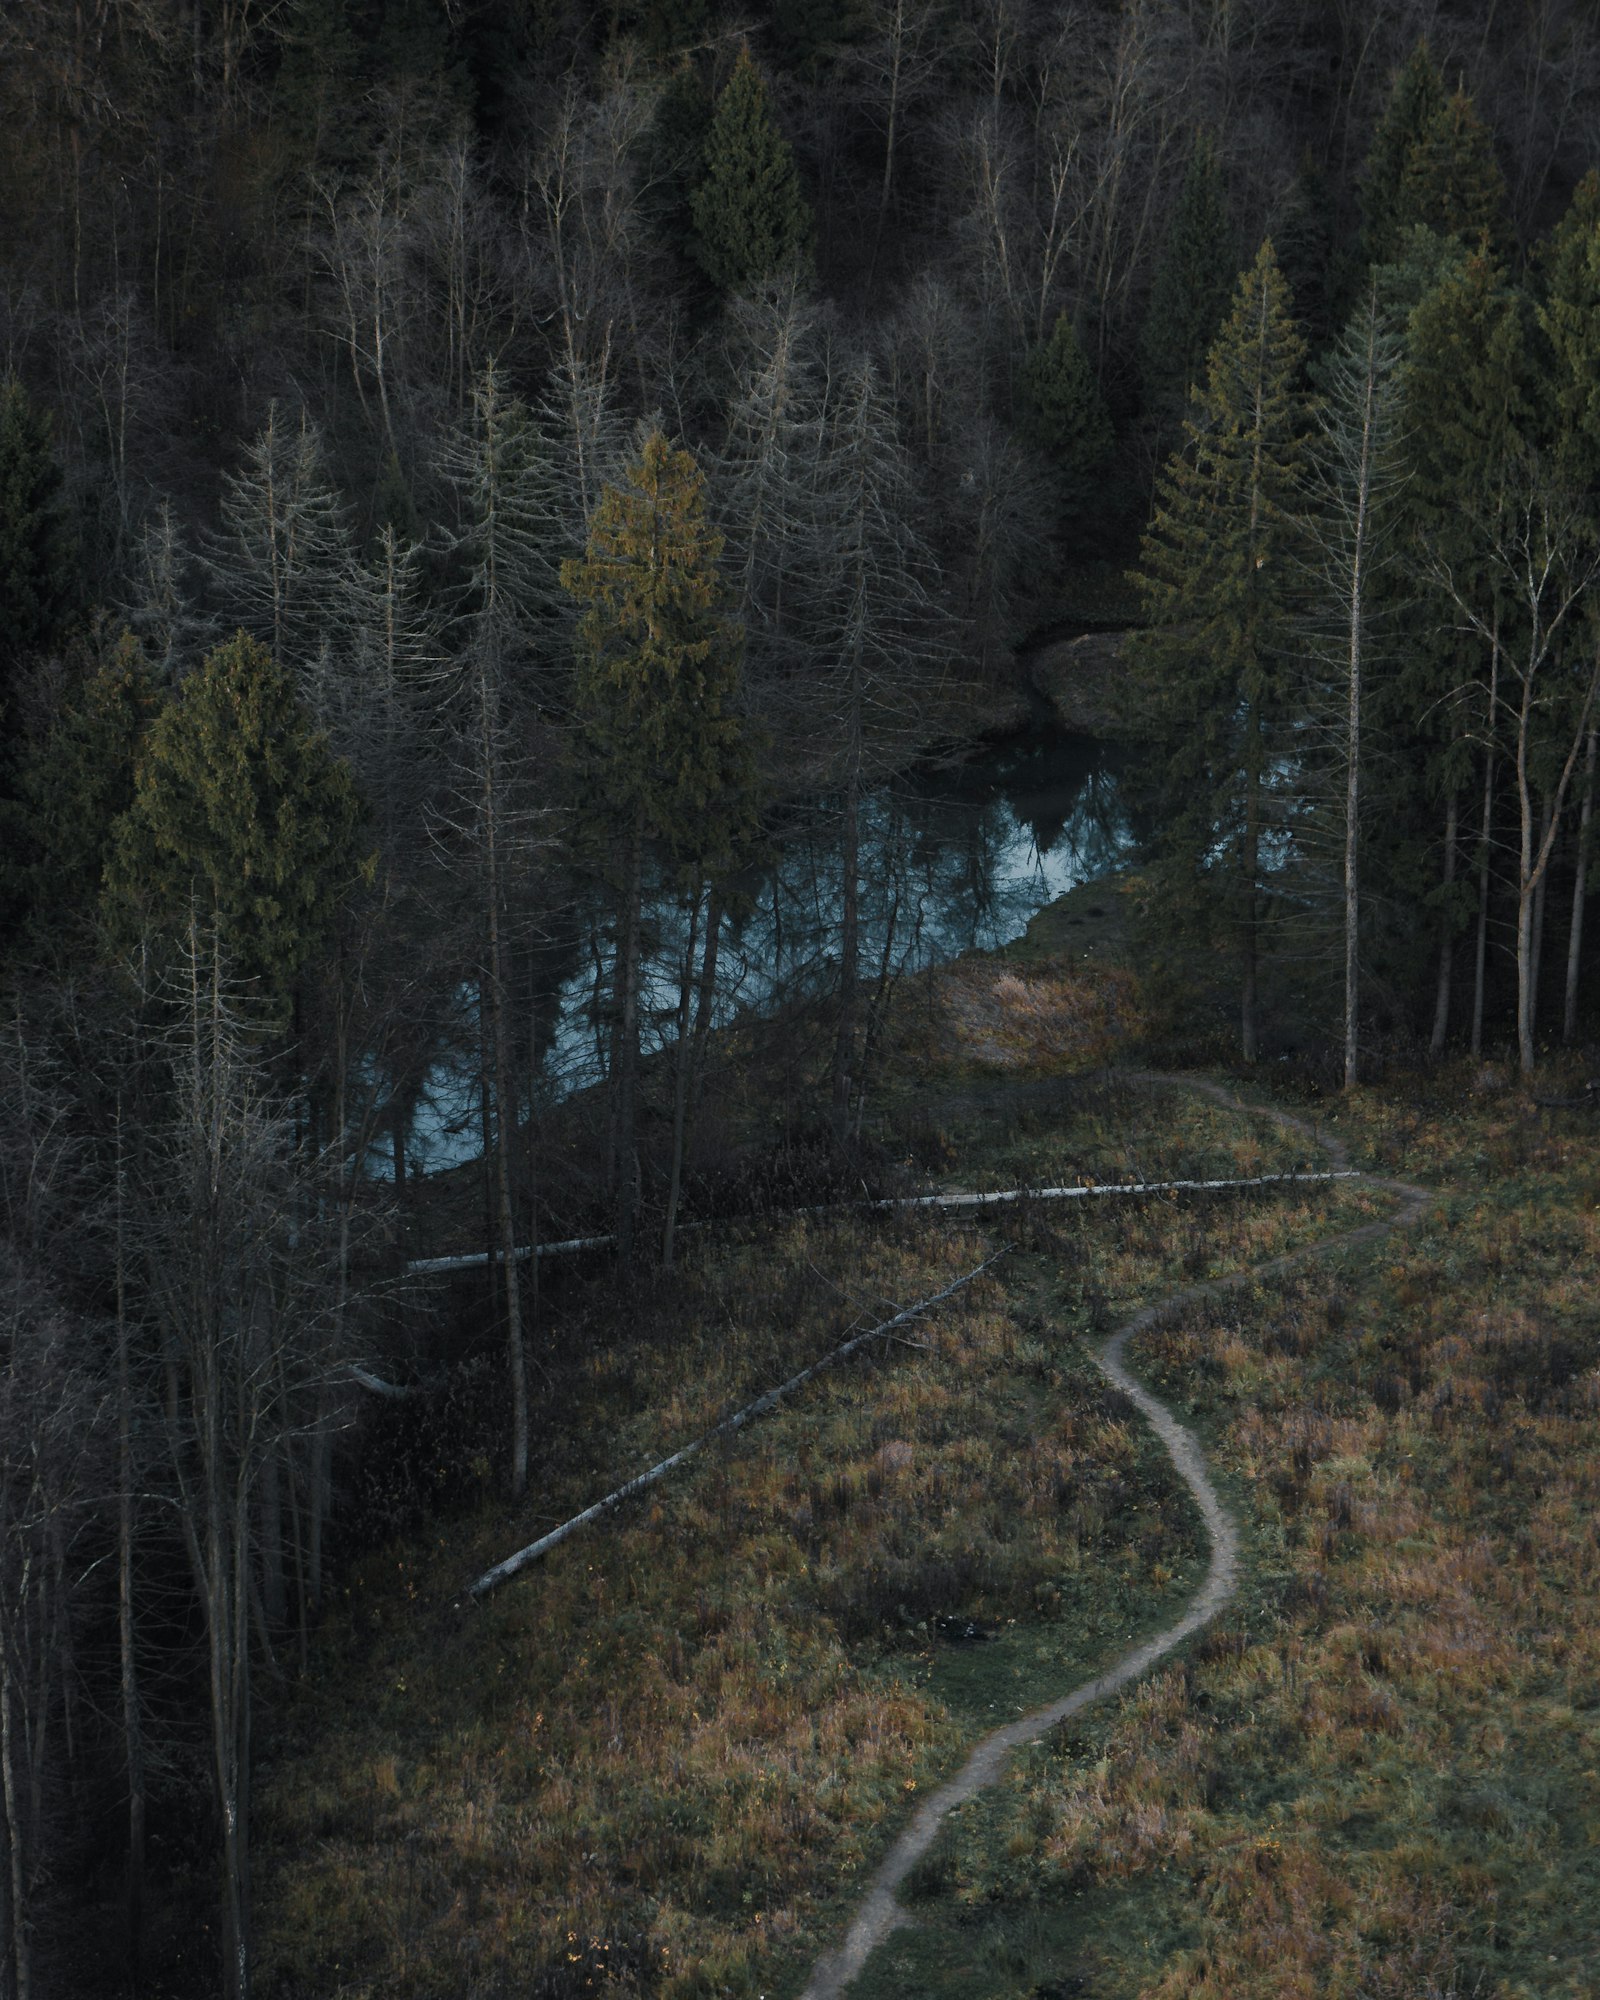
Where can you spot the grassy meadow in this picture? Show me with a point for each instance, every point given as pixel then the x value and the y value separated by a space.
pixel 1380 1775
pixel 664 1761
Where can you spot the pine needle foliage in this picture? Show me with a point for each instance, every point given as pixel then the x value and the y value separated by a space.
pixel 751 218
pixel 656 688
pixel 35 576
pixel 1067 413
pixel 240 813
pixel 1569 319
pixel 1190 290
pixel 1210 681
pixel 1451 182
pixel 1416 96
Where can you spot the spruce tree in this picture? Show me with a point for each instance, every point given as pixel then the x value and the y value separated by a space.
pixel 1451 182
pixel 80 782
pixel 1416 95
pixel 1067 414
pixel 1210 687
pixel 241 816
pixel 661 745
pixel 1193 282
pixel 751 219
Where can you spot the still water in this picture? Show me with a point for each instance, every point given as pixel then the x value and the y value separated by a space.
pixel 953 859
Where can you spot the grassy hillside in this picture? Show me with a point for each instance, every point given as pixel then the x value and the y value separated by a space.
pixel 664 1761
pixel 1382 1775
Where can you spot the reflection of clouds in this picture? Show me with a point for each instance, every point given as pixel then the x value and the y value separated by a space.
pixel 964 863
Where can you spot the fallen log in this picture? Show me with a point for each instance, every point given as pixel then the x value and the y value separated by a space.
pixel 502 1572
pixel 473 1259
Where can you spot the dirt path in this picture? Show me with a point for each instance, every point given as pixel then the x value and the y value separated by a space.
pixel 880 1912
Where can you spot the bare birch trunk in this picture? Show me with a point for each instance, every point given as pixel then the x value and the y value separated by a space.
pixel 1481 953
pixel 1569 1014
pixel 1447 942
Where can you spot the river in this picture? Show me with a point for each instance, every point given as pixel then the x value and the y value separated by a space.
pixel 955 858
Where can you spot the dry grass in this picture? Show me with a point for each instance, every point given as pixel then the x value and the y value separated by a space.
pixel 1382 1776
pixel 989 1017
pixel 639 1769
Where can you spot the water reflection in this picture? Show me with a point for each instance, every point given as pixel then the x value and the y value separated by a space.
pixel 953 859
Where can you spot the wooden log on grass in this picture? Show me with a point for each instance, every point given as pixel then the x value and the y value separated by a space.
pixel 502 1572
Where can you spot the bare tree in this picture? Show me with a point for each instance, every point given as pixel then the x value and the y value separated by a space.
pixel 1355 469
pixel 1544 565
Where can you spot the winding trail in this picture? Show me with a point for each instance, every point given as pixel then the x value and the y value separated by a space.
pixel 880 1912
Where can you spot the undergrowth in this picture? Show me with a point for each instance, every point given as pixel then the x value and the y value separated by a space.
pixel 661 1762
pixel 1381 1774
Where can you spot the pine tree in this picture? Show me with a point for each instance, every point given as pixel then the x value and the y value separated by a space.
pixel 1451 182
pixel 661 745
pixel 1210 683
pixel 501 548
pixel 78 785
pixel 1190 290
pixel 241 814
pixel 751 218
pixel 1416 95
pixel 1067 414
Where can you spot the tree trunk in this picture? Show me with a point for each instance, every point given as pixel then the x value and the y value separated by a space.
pixel 680 1095
pixel 1447 941
pixel 1537 955
pixel 885 189
pixel 503 1136
pixel 1481 957
pixel 627 1070
pixel 705 1000
pixel 505 1215
pixel 132 1724
pixel 1569 1016
pixel 844 1047
pixel 1249 1037
pixel 1352 805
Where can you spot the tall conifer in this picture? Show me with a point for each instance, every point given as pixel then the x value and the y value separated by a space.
pixel 35 572
pixel 1191 287
pixel 1215 579
pixel 751 219
pixel 1067 413
pixel 241 814
pixel 1451 182
pixel 1569 318
pixel 660 740
pixel 1415 96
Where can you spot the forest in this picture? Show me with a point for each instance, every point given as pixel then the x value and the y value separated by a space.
pixel 485 487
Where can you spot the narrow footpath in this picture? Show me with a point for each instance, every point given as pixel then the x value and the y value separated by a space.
pixel 880 1911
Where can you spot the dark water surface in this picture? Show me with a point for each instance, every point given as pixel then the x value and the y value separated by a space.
pixel 953 858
